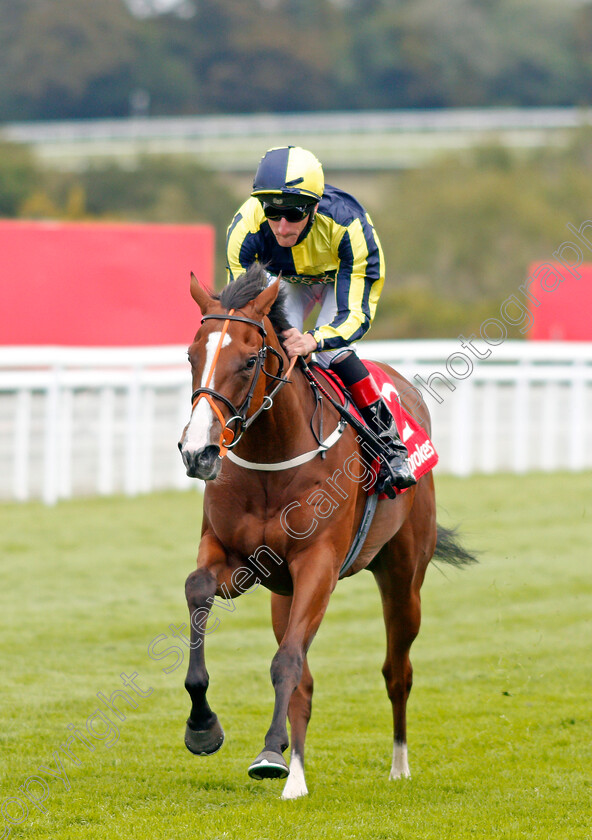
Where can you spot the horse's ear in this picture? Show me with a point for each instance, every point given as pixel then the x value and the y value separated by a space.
pixel 265 299
pixel 199 294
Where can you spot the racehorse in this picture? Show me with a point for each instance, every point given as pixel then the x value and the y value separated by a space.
pixel 282 507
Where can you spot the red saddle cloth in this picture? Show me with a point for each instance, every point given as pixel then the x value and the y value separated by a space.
pixel 422 454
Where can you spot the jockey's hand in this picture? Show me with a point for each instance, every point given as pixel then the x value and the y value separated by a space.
pixel 297 343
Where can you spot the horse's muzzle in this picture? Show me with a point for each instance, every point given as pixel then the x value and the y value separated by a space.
pixel 204 463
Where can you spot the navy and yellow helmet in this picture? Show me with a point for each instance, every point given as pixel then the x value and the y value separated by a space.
pixel 289 175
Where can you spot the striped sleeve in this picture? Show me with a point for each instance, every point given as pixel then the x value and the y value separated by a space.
pixel 242 241
pixel 359 282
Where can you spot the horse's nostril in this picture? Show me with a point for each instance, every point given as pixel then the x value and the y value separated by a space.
pixel 209 454
pixel 180 445
pixel 203 463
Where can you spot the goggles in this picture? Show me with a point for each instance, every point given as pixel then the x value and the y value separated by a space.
pixel 290 214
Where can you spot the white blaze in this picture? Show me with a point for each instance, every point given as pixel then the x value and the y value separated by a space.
pixel 197 435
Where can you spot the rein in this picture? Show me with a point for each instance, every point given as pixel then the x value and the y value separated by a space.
pixel 230 437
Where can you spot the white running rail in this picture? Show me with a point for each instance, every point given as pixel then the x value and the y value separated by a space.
pixel 83 421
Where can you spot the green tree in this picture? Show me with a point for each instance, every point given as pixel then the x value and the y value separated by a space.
pixel 462 233
pixel 250 59
pixel 583 53
pixel 458 53
pixel 66 58
pixel 538 64
pixel 18 177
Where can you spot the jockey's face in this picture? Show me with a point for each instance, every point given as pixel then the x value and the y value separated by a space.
pixel 286 232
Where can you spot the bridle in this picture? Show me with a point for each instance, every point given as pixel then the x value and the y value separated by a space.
pixel 229 437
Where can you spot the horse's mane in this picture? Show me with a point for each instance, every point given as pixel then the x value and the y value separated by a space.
pixel 246 287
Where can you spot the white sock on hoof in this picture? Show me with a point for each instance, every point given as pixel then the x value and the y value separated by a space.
pixel 295 784
pixel 400 765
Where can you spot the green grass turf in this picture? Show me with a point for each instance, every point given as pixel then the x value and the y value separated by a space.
pixel 500 723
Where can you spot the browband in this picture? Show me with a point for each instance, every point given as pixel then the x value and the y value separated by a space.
pixel 242 318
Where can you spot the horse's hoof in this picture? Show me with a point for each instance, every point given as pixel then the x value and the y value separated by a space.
pixel 269 765
pixel 204 741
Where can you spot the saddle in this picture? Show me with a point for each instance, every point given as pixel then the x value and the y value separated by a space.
pixel 422 453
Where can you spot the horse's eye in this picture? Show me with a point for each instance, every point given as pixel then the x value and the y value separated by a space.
pixel 250 363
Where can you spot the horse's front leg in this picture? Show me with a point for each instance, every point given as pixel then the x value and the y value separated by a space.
pixel 300 705
pixel 314 575
pixel 203 734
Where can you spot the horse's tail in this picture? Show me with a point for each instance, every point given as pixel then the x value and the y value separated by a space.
pixel 449 550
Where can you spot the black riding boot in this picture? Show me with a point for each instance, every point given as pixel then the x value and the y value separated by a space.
pixel 394 470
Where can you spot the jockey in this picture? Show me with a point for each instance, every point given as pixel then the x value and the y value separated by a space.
pixel 323 243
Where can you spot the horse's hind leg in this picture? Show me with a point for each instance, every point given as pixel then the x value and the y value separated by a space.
pixel 300 705
pixel 399 572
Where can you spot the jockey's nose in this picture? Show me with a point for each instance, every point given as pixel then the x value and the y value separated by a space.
pixel 285 227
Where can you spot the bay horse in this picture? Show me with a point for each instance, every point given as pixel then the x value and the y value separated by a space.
pixel 282 510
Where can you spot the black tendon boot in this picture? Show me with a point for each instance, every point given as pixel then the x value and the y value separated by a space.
pixel 394 468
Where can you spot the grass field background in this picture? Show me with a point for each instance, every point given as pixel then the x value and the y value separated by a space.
pixel 500 717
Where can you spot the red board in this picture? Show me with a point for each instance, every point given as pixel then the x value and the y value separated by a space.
pixel 560 302
pixel 82 284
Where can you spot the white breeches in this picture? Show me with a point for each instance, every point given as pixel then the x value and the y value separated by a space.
pixel 301 300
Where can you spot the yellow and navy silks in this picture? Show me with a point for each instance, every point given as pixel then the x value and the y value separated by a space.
pixel 339 246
